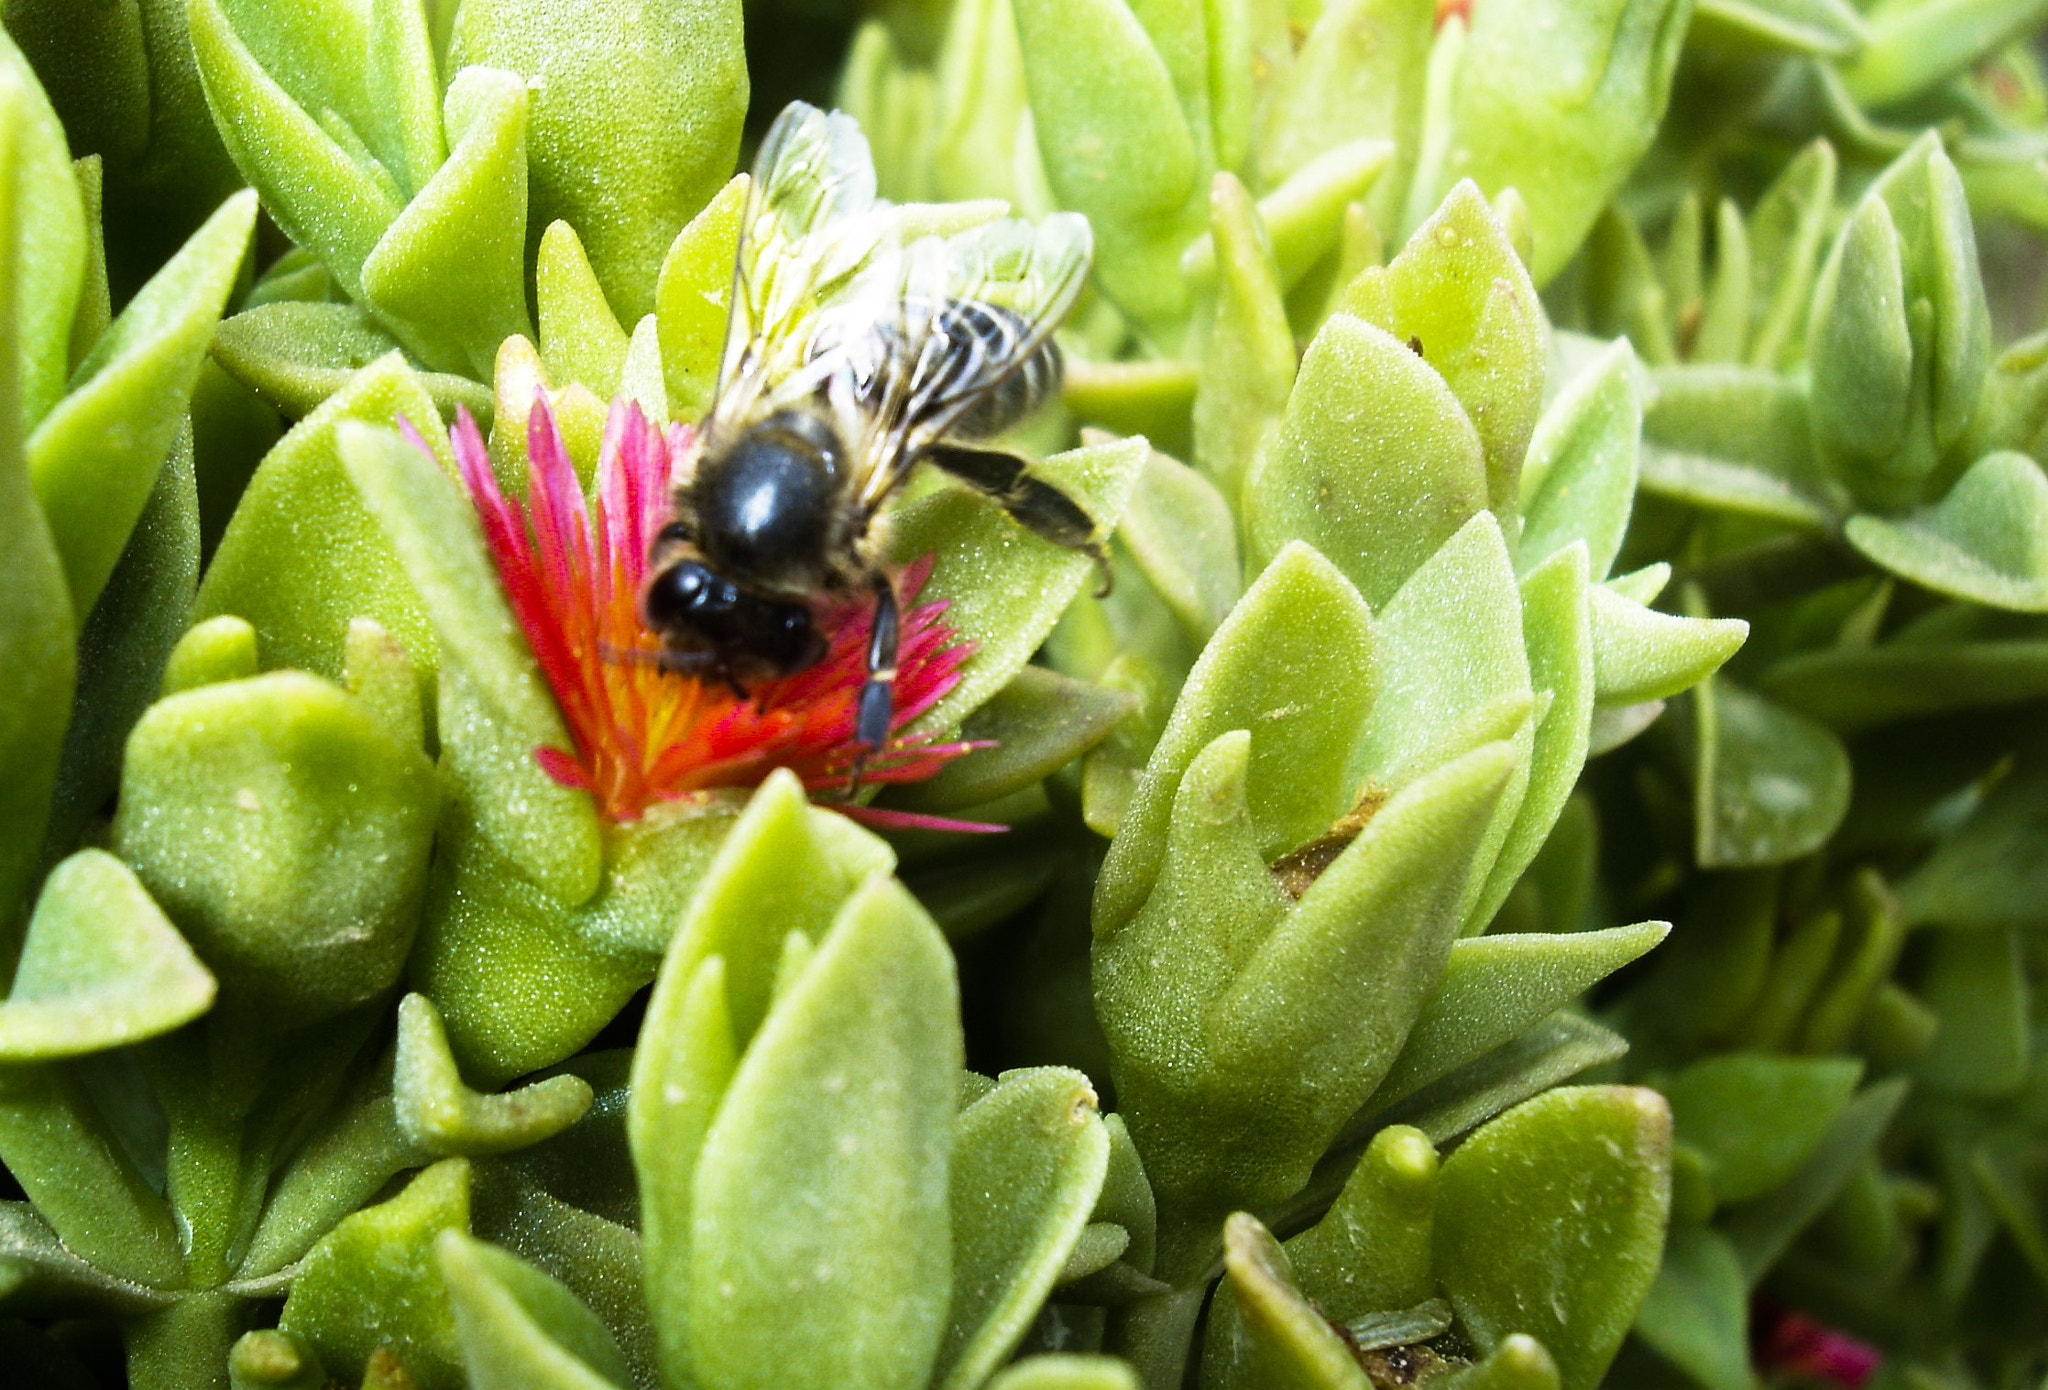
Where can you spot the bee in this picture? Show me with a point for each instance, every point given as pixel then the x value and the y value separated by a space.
pixel 854 352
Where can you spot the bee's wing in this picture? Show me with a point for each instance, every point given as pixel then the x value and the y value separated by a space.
pixel 1033 271
pixel 811 224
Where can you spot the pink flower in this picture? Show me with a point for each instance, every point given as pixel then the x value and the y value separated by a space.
pixel 1796 1344
pixel 643 734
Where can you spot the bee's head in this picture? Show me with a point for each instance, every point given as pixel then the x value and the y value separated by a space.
pixel 744 636
pixel 766 505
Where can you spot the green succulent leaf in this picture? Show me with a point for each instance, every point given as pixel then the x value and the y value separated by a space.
pixel 296 354
pixel 518 1327
pixel 373 1283
pixel 691 294
pixel 1756 1117
pixel 1641 654
pixel 452 265
pixel 504 709
pixel 1579 481
pixel 1116 146
pixel 445 1118
pixel 1551 1053
pixel 1248 362
pixel 1976 984
pixel 1036 725
pixel 97 453
pixel 1770 785
pixel 1983 873
pixel 1761 1230
pixel 634 120
pixel 1820 28
pixel 36 625
pixel 300 611
pixel 1733 439
pixel 1787 227
pixel 1004 587
pixel 1066 1373
pixel 581 340
pixel 1359 73
pixel 1697 1313
pixel 101 967
pixel 1282 1340
pixel 1496 987
pixel 1459 290
pixel 1986 541
pixel 1912 47
pixel 1552 1218
pixel 1375 462
pixel 125 644
pixel 1373 1249
pixel 287 833
pixel 1559 102
pixel 1029 1159
pixel 848 1091
pixel 1294 663
pixel 1519 1362
pixel 38 1272
pixel 48 242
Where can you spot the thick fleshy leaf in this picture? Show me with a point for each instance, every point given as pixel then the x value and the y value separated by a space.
pixel 96 455
pixel 321 186
pixel 1358 72
pixel 1862 687
pixel 1820 28
pixel 452 265
pixel 690 298
pixel 1181 531
pixel 1450 652
pixel 1769 785
pixel 1756 1117
pixel 1734 439
pixel 101 967
pixel 37 659
pixel 1986 873
pixel 1697 1313
pixel 1248 360
pixel 1190 992
pixel 633 125
pixel 1986 541
pixel 1294 663
pixel 581 340
pixel 1029 1159
pixel 505 708
pixel 1976 984
pixel 1282 1340
pixel 1036 725
pixel 447 1119
pixel 1552 1222
pixel 1761 1230
pixel 1116 146
pixel 373 1282
pixel 60 1147
pixel 1579 481
pixel 1375 463
pixel 126 643
pixel 1460 298
pixel 1551 1053
pixel 47 241
pixel 1066 1373
pixel 39 1274
pixel 1786 230
pixel 1373 1250
pixel 278 821
pixel 847 1093
pixel 519 1328
pixel 1558 103
pixel 301 496
pixel 295 355
pixel 1004 587
pixel 1641 654
pixel 1910 48
pixel 1495 987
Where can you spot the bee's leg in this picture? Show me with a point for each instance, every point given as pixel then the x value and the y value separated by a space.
pixel 1032 502
pixel 878 695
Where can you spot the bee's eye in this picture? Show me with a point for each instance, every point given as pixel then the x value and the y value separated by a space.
pixel 675 593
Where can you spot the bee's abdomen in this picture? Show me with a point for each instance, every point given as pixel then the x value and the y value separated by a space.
pixel 982 344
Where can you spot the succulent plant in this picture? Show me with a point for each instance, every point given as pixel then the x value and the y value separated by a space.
pixel 1373 944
